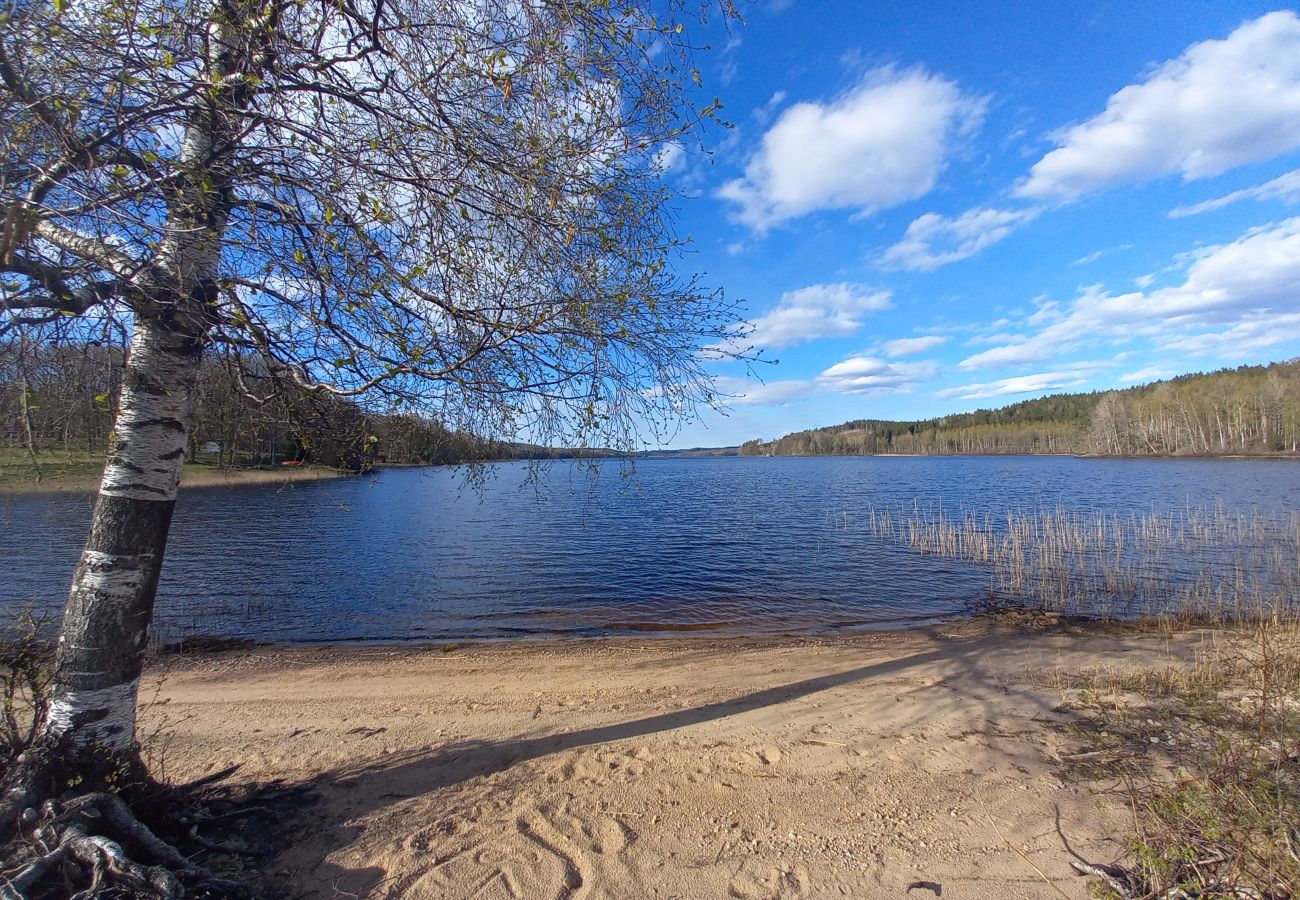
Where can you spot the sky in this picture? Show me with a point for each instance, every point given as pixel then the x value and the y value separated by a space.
pixel 927 208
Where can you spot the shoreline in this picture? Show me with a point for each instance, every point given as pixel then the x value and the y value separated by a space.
pixel 721 634
pixel 784 767
pixel 190 478
pixel 203 650
pixel 1281 454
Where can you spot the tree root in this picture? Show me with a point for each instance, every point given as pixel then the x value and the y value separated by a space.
pixel 17 886
pixel 86 837
pixel 107 861
pixel 1116 878
pixel 1123 884
pixel 218 847
pixel 18 797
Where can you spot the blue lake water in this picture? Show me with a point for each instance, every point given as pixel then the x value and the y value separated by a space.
pixel 743 545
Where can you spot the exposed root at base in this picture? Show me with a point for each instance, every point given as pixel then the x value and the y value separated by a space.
pixel 91 844
pixel 1126 885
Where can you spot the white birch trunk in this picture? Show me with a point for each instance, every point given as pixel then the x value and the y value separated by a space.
pixel 106 624
pixel 105 627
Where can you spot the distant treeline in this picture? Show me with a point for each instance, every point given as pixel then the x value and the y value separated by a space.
pixel 63 399
pixel 1249 410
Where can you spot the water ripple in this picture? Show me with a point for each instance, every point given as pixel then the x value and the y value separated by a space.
pixel 755 546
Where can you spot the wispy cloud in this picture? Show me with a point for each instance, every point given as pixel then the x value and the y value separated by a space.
pixel 1098 254
pixel 1070 376
pixel 1284 187
pixel 1222 104
pixel 728 65
pixel 933 240
pixel 751 392
pixel 816 311
pixel 1229 297
pixel 1255 332
pixel 882 143
pixel 669 156
pixel 865 375
pixel 1147 375
pixel 913 346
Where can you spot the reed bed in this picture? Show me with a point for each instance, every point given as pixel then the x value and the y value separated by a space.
pixel 1196 564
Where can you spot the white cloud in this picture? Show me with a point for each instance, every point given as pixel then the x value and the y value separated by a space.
pixel 1021 351
pixel 764 113
pixel 1237 288
pixel 1252 333
pixel 1098 254
pixel 751 392
pixel 1070 376
pixel 912 346
pixel 1285 188
pixel 816 311
pixel 1222 104
pixel 1147 375
pixel 864 375
pixel 881 144
pixel 728 66
pixel 933 240
pixel 1046 311
pixel 669 156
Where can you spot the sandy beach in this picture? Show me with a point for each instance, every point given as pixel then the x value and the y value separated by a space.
pixel 864 766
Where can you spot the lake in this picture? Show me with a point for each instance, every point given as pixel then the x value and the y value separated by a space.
pixel 735 545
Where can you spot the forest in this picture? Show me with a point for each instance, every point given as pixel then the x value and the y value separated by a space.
pixel 61 400
pixel 1251 410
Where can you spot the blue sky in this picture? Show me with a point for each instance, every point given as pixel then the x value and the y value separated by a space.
pixel 935 207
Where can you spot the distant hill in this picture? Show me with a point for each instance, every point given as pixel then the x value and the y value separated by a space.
pixel 692 452
pixel 1251 410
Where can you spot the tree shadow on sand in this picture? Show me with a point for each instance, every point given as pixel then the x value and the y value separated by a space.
pixel 374 785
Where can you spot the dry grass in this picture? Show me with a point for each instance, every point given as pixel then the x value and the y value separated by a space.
pixel 1205 753
pixel 1195 565
pixel 26 656
pixel 81 472
pixel 1206 756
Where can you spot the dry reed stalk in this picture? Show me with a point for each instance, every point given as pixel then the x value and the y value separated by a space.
pixel 1204 565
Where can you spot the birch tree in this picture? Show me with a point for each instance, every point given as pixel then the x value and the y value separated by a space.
pixel 452 204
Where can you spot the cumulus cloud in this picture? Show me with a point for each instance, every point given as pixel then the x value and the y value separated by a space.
pixel 816 311
pixel 1070 376
pixel 1234 296
pixel 882 143
pixel 933 240
pixel 864 375
pixel 912 346
pixel 1222 104
pixel 1285 188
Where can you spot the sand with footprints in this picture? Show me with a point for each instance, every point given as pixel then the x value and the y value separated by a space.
pixel 876 765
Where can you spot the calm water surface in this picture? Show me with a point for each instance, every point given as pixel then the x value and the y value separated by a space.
pixel 746 545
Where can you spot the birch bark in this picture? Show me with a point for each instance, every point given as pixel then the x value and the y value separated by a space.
pixel 105 626
pixel 106 623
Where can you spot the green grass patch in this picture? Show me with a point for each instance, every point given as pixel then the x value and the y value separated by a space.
pixel 16 466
